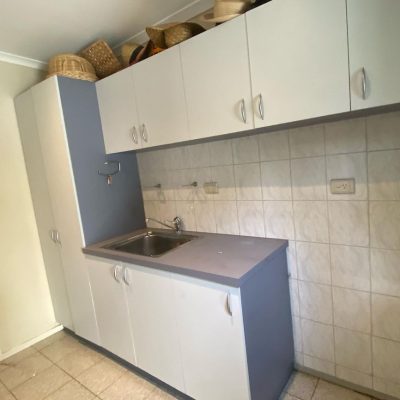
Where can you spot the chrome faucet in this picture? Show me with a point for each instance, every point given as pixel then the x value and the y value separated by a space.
pixel 176 223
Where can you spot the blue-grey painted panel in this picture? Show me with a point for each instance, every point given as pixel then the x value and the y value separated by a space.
pixel 268 329
pixel 106 210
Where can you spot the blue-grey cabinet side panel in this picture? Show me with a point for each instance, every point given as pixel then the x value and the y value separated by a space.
pixel 268 329
pixel 106 210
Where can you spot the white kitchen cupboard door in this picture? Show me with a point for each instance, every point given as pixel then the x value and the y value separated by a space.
pixel 118 112
pixel 160 98
pixel 374 51
pixel 153 320
pixel 107 282
pixel 61 186
pixel 210 327
pixel 217 80
pixel 298 60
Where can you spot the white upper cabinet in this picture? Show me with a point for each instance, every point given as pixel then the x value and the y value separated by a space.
pixel 118 112
pixel 108 281
pixel 160 98
pixel 211 333
pixel 153 320
pixel 298 60
pixel 217 80
pixel 374 33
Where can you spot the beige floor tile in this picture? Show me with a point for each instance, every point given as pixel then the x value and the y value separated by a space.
pixel 329 391
pixel 287 396
pixel 159 394
pixel 17 373
pixel 79 361
pixel 129 387
pixel 301 385
pixel 101 375
pixel 71 391
pixel 61 348
pixel 43 384
pixel 5 394
pixel 19 356
pixel 50 340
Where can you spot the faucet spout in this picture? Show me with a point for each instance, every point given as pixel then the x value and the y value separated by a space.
pixel 176 223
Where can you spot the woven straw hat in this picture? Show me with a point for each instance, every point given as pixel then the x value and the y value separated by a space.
pixel 225 10
pixel 129 53
pixel 168 35
pixel 71 66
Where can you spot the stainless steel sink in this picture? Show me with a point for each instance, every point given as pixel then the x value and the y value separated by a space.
pixel 151 244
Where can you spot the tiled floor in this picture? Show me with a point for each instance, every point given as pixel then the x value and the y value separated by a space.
pixel 62 368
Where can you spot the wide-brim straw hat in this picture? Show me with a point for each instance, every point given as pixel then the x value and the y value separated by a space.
pixel 226 10
pixel 71 66
pixel 168 35
pixel 129 52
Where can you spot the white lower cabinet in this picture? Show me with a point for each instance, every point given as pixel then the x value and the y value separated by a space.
pixel 211 335
pixel 107 282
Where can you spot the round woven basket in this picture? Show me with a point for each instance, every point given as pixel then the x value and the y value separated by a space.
pixel 71 66
pixel 179 33
pixel 104 61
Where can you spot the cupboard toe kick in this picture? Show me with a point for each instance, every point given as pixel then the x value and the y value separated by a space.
pixel 207 340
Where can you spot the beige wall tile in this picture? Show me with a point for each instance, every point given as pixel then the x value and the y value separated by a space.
pixel 221 152
pixel 225 178
pixel 387 387
pixel 186 211
pixel 385 272
pixel 350 267
pixel 315 302
pixel 274 146
pixel 309 178
pixel 298 340
pixel 307 142
pixel 205 216
pixel 248 182
pixel 316 364
pixel 292 259
pixel 251 218
pixel 278 219
pixel 386 359
pixel 352 376
pixel 199 155
pixel 352 309
pixel 318 340
pixel 226 217
pixel 384 175
pixel 311 221
pixel 347 136
pixel 383 131
pixel 275 180
pixel 313 262
pixel 386 316
pixel 348 166
pixel 245 150
pixel 385 222
pixel 294 297
pixel 348 222
pixel 353 350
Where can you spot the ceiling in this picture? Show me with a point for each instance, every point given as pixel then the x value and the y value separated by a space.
pixel 39 29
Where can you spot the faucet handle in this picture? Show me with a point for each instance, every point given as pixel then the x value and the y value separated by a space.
pixel 177 222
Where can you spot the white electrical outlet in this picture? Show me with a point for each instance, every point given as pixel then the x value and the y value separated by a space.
pixel 343 186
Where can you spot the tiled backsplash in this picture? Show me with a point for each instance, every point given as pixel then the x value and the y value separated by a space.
pixel 344 254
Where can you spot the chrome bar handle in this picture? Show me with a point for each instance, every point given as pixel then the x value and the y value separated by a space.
pixel 261 106
pixel 143 133
pixel 125 277
pixel 57 237
pixel 364 83
pixel 115 273
pixel 228 304
pixel 52 236
pixel 135 135
pixel 243 110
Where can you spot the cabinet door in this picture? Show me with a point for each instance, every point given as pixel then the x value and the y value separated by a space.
pixel 160 98
pixel 217 80
pixel 153 320
pixel 61 186
pixel 374 32
pixel 111 309
pixel 210 327
pixel 298 60
pixel 118 112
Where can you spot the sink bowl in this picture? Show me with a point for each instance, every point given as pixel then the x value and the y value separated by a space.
pixel 151 244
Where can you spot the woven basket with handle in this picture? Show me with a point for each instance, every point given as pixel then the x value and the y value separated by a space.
pixel 104 61
pixel 71 66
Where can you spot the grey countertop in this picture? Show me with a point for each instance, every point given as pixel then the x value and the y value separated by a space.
pixel 225 259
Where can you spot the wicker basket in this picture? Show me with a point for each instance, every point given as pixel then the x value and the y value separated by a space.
pixel 104 61
pixel 71 66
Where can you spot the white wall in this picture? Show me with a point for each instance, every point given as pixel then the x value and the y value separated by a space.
pixel 25 304
pixel 344 254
